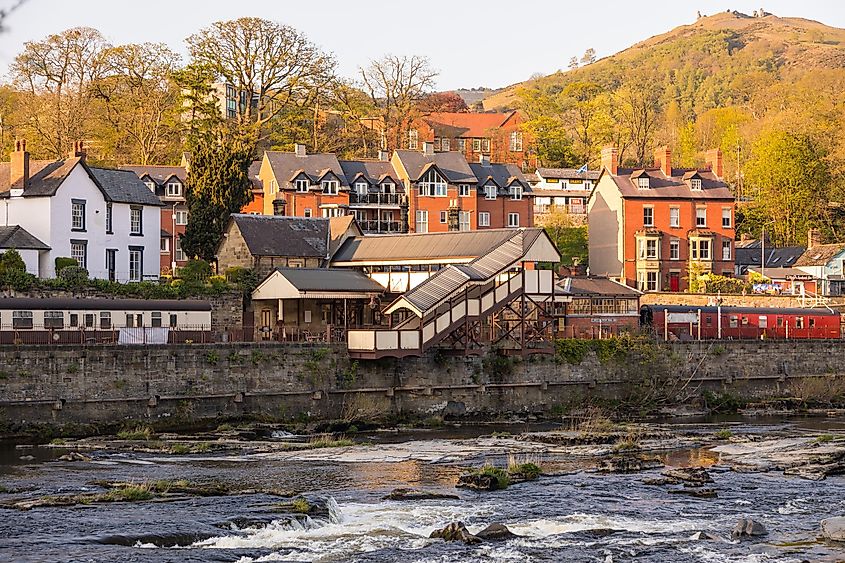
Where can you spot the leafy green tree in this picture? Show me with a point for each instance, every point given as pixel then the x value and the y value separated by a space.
pixel 217 186
pixel 201 113
pixel 569 238
pixel 11 261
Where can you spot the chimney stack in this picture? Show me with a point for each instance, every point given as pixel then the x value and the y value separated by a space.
pixel 299 149
pixel 484 160
pixel 78 150
pixel 383 155
pixel 663 160
pixel 814 238
pixel 428 148
pixel 713 158
pixel 19 168
pixel 610 159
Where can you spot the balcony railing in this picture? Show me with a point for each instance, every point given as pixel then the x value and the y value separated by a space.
pixel 380 226
pixel 572 209
pixel 375 199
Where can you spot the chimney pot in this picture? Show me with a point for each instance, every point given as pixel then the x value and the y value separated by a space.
pixel 19 166
pixel 610 159
pixel 299 149
pixel 383 155
pixel 663 159
pixel 428 148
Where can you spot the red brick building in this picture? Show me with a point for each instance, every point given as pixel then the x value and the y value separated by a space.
pixel 497 136
pixel 504 196
pixel 649 226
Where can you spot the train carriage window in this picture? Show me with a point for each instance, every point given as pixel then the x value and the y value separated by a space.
pixel 130 320
pixel 780 321
pixel 89 320
pixel 54 319
pixel 733 321
pixel 105 321
pixel 155 319
pixel 74 320
pixel 812 322
pixel 799 322
pixel 173 318
pixel 744 320
pixel 708 320
pixel 21 319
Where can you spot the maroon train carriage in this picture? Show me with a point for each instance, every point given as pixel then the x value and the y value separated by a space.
pixel 741 322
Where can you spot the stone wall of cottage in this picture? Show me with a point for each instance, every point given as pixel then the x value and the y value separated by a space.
pixel 65 384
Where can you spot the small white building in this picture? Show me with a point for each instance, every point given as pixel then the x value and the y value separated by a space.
pixel 107 220
pixel 30 248
pixel 565 189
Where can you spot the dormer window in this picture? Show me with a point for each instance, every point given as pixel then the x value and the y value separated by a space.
pixel 695 184
pixel 516 192
pixel 174 189
pixel 388 187
pixel 302 186
pixel 361 188
pixel 330 187
pixel 433 184
pixel 490 192
pixel 151 185
pixel 643 182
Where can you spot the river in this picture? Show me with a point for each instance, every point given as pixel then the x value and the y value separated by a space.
pixel 574 515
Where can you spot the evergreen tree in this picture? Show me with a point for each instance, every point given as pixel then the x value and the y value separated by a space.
pixel 217 186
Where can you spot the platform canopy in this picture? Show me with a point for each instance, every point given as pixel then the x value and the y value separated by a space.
pixel 316 283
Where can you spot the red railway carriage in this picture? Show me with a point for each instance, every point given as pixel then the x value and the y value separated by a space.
pixel 690 321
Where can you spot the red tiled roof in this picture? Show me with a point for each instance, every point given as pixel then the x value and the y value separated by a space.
pixel 471 124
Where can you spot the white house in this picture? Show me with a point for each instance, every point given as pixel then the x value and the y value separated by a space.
pixel 566 189
pixel 108 220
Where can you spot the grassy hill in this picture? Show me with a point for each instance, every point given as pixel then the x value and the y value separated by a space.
pixel 716 59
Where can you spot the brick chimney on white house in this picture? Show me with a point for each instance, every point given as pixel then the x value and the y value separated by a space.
pixel 610 159
pixel 19 168
pixel 663 159
pixel 78 150
pixel 713 158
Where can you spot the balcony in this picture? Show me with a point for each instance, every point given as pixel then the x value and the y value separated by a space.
pixel 377 227
pixel 572 209
pixel 375 199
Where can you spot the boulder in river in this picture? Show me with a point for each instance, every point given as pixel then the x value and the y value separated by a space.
pixel 746 527
pixel 478 481
pixel 696 475
pixel 456 531
pixel 705 536
pixel 627 464
pixel 74 456
pixel 417 494
pixel 496 531
pixel 834 528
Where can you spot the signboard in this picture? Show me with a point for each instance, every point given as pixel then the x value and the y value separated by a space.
pixel 765 288
pixel 576 181
pixel 683 318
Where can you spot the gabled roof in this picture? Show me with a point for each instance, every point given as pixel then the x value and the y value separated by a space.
pixel 373 171
pixel 568 174
pixel 276 235
pixel 329 279
pixel 254 169
pixel 15 236
pixel 466 124
pixel 453 165
pixel 503 175
pixel 157 173
pixel 820 254
pixel 674 186
pixel 119 186
pixel 748 253
pixel 594 287
pixel 287 165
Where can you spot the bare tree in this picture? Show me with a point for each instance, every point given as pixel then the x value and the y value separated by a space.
pixel 396 85
pixel 6 12
pixel 271 66
pixel 573 63
pixel 637 108
pixel 589 57
pixel 139 101
pixel 57 73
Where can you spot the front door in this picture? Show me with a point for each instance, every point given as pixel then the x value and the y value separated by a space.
pixel 674 281
pixel 111 258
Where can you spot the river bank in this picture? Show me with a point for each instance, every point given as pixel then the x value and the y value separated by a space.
pixel 579 509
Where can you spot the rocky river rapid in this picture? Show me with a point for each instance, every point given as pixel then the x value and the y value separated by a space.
pixel 609 499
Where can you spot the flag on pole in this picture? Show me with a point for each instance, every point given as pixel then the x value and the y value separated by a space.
pixel 582 169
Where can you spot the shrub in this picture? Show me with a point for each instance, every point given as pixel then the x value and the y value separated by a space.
pixel 196 272
pixel 300 505
pixel 723 434
pixel 129 493
pixel 525 470
pixel 62 263
pixel 501 476
pixel 74 276
pixel 11 261
pixel 137 433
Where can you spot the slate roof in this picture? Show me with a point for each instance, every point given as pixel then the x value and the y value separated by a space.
pixel 454 245
pixel 45 176
pixel 568 174
pixel 15 236
pixel 330 279
pixel 503 175
pixel 594 286
pixel 747 253
pixel 286 165
pixel 254 169
pixel 275 235
pixel 374 171
pixel 464 124
pixel 453 165
pixel 158 174
pixel 820 254
pixel 662 186
pixel 123 186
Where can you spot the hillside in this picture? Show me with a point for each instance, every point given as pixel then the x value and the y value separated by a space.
pixel 721 52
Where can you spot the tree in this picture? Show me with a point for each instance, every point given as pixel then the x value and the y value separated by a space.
pixel 569 237
pixel 396 85
pixel 586 104
pixel 271 66
pixel 200 112
pixel 573 63
pixel 140 110
pixel 637 106
pixel 552 143
pixel 57 73
pixel 443 101
pixel 217 186
pixel 589 57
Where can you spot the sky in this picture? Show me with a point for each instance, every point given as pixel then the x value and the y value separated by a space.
pixel 490 43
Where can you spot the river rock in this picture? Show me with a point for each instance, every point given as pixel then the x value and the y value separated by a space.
pixel 746 527
pixel 496 531
pixel 417 494
pixel 816 471
pixel 697 475
pixel 478 482
pixel 694 492
pixel 705 536
pixel 834 528
pixel 456 531
pixel 627 464
pixel 74 456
